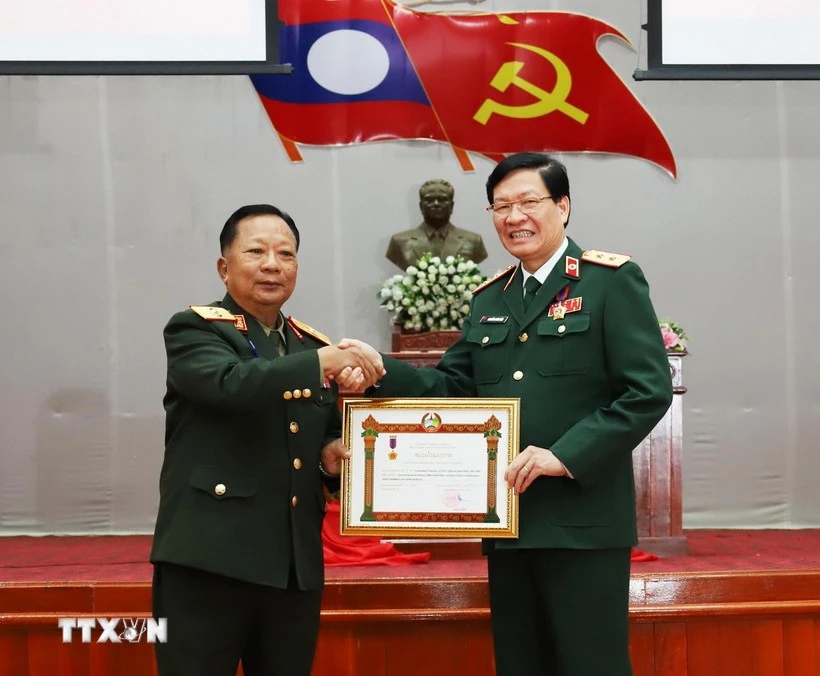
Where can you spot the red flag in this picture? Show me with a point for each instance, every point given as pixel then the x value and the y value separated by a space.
pixel 503 83
pixel 352 80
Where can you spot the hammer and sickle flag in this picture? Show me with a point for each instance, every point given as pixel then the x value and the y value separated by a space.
pixel 488 83
pixel 504 83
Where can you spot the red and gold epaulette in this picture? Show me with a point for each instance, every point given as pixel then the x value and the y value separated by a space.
pixel 493 280
pixel 611 260
pixel 300 327
pixel 214 313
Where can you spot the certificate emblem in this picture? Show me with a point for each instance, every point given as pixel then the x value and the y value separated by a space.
pixel 431 422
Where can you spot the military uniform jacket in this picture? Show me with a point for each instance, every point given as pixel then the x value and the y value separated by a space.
pixel 240 488
pixel 592 385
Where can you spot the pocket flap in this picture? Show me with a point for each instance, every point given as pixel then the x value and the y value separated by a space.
pixel 486 335
pixel 560 328
pixel 222 484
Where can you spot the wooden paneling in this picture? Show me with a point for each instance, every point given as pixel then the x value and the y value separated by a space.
pixel 764 623
pixel 642 649
pixel 670 649
pixel 767 648
pixel 799 647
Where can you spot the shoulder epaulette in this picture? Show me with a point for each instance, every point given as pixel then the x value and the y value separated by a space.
pixel 300 327
pixel 213 313
pixel 611 260
pixel 493 280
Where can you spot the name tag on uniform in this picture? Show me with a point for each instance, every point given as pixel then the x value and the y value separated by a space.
pixel 493 319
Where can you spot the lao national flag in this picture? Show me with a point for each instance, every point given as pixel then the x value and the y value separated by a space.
pixel 527 81
pixel 352 80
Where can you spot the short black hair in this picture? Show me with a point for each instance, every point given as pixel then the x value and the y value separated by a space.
pixel 553 173
pixel 228 234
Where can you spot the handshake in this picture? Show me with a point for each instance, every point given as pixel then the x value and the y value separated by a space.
pixel 354 365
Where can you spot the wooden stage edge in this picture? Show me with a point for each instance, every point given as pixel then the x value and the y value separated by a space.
pixel 653 597
pixel 682 624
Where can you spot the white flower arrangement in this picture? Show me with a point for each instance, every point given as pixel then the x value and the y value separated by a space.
pixel 432 295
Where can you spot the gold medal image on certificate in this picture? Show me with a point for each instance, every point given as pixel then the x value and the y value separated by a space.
pixel 429 467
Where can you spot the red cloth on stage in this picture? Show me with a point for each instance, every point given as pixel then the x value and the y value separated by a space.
pixel 347 550
pixel 357 550
pixel 640 556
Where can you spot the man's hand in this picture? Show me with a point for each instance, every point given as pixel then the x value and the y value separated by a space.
pixel 530 463
pixel 369 354
pixel 332 456
pixel 352 363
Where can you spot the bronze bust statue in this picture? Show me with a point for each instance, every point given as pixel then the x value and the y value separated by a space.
pixel 436 234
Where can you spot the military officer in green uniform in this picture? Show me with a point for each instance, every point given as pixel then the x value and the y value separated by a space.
pixel 573 334
pixel 436 235
pixel 252 425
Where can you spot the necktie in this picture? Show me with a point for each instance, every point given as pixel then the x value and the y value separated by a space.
pixel 531 288
pixel 276 340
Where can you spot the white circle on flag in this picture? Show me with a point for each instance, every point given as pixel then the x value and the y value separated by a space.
pixel 348 62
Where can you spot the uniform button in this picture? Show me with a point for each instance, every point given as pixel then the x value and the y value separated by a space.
pixel 297 394
pixel 294 501
pixel 287 394
pixel 518 375
pixel 294 427
pixel 485 340
pixel 562 328
pixel 523 337
pixel 220 489
pixel 297 464
pixel 306 393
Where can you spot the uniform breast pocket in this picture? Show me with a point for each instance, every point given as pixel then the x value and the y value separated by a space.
pixel 567 344
pixel 487 342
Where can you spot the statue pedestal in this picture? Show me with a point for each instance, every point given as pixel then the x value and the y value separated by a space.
pixel 416 342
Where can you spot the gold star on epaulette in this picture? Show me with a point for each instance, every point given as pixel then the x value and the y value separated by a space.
pixel 212 313
pixel 611 260
pixel 492 280
pixel 300 327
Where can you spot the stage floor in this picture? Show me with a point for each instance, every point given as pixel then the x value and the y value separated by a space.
pixel 740 603
pixel 119 558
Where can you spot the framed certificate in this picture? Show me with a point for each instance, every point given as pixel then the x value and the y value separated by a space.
pixel 429 467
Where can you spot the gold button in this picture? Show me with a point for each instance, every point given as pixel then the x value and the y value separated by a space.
pixel 294 427
pixel 306 393
pixel 220 489
pixel 523 337
pixel 294 501
pixel 562 328
pixel 297 464
pixel 297 394
pixel 518 375
pixel 485 340
pixel 287 394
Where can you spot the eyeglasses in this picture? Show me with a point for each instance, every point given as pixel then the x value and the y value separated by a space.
pixel 526 205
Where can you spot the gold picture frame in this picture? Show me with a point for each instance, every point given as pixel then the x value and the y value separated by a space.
pixel 429 467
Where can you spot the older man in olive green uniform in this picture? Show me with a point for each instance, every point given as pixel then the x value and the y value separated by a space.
pixel 252 423
pixel 436 235
pixel 582 349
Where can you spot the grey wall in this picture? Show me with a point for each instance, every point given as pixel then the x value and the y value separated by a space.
pixel 113 191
